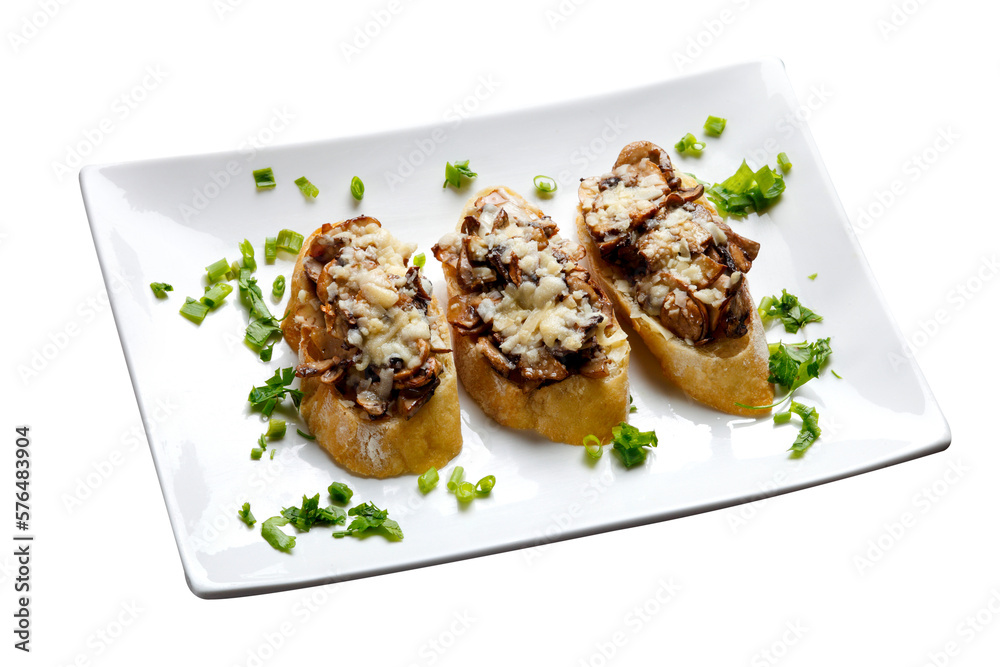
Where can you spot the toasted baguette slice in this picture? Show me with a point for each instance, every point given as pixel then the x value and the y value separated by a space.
pixel 370 447
pixel 719 373
pixel 565 410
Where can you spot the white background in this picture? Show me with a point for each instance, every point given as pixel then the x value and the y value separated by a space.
pixel 896 567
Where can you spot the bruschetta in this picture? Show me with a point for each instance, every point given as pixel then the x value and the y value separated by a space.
pixel 379 383
pixel 536 341
pixel 678 273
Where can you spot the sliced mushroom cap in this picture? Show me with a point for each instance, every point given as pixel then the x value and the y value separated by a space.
pixel 681 197
pixel 416 281
pixel 369 401
pixel 735 313
pixel 596 367
pixel 500 363
pixel 313 368
pixel 637 150
pixel 470 225
pixel 497 198
pixel 684 315
pixel 462 315
pixel 410 400
pixel 545 369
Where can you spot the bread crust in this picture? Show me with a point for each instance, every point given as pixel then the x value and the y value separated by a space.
pixel 719 374
pixel 565 411
pixel 386 447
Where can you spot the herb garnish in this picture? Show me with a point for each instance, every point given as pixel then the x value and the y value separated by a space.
pixel 453 173
pixel 368 517
pixel 161 289
pixel 275 389
pixel 788 309
pixel 629 443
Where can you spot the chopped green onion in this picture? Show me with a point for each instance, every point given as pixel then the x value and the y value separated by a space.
pixel 419 260
pixel 278 287
pixel 248 258
pixel 630 443
pixel 782 417
pixel 485 485
pixel 357 188
pixel 161 289
pixel 456 478
pixel 215 294
pixel 783 162
pixel 270 249
pixel 307 188
pixel 275 429
pixel 631 408
pixel 256 453
pixel 340 492
pixel 217 270
pixel 714 126
pixel 428 480
pixel 453 173
pixel 747 190
pixel 194 310
pixel 689 144
pixel 290 241
pixel 545 184
pixel 264 178
pixel 307 436
pixel 465 492
pixel 246 516
pixel 271 532
pixel 592 445
pixel 813 276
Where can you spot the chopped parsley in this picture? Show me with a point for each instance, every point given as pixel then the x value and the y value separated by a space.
pixel 161 289
pixel 246 516
pixel 631 408
pixel 262 324
pixel 311 514
pixel 270 530
pixel 788 309
pixel 747 190
pixel 453 173
pixel 275 389
pixel 794 364
pixel 812 276
pixel 808 432
pixel 629 444
pixel 370 519
pixel 307 436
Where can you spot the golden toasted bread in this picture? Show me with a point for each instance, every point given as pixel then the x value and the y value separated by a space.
pixel 536 341
pixel 657 244
pixel 379 383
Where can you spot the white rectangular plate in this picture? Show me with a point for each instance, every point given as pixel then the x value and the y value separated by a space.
pixel 165 220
